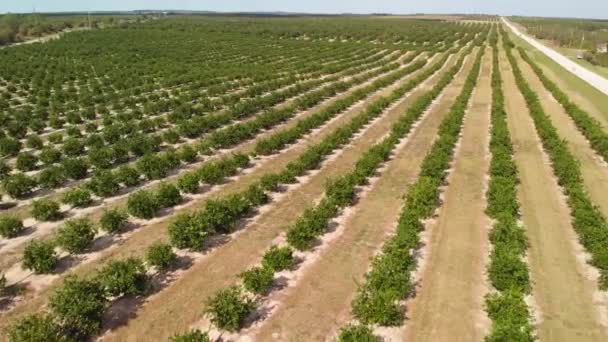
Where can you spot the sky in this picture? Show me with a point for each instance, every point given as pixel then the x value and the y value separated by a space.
pixel 548 8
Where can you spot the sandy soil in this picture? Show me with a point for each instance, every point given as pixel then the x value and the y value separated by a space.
pixel 561 286
pixel 320 302
pixel 593 167
pixel 181 304
pixel 448 302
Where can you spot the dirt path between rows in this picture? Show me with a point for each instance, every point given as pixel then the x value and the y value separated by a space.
pixel 560 284
pixel 448 305
pixel 319 303
pixel 593 167
pixel 181 304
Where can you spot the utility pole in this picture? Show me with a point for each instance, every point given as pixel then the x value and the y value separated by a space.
pixel 89 19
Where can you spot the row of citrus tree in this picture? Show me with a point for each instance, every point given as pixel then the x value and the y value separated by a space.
pixel 147 204
pixel 587 220
pixel 377 300
pixel 128 277
pixel 339 194
pixel 126 144
pixel 507 271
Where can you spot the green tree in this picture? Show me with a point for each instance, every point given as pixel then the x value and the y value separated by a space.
pixel 45 210
pixel 191 336
pixel 79 305
pixel 18 185
pixel 188 183
pixel 278 259
pixel 40 257
pixel 161 256
pixel 26 161
pixel 167 195
pixel 77 197
pixel 123 277
pixel 228 308
pixel 10 226
pixel 257 279
pixel 113 221
pixel 143 204
pixel 36 328
pixel 76 235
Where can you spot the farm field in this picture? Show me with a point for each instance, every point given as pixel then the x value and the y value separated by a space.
pixel 241 178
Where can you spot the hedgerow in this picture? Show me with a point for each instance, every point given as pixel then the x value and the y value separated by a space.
pixel 587 220
pixel 339 193
pixel 589 126
pixel 377 299
pixel 507 271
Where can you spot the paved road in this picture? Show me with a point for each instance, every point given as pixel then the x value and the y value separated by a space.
pixel 587 75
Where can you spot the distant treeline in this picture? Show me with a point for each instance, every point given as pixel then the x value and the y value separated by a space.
pixel 19 27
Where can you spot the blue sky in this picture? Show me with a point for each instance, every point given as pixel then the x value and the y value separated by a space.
pixel 577 8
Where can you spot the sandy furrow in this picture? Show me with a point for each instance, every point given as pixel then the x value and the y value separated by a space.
pixel 593 167
pixel 448 304
pixel 319 303
pixel 181 304
pixel 135 242
pixel 562 288
pixel 11 250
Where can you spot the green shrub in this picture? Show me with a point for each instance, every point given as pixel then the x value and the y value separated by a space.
pixel 143 204
pixel 104 184
pixel 77 197
pixel 113 221
pixel 186 231
pixel 161 256
pixel 18 185
pixel 510 317
pixel 76 235
pixel 228 308
pixel 128 176
pixel 45 210
pixel 26 161
pixel 278 259
pixel 187 154
pixel 188 183
pixel 123 277
pixel 152 166
pixel 9 147
pixel 257 279
pixel 74 168
pixel 79 305
pixel 49 155
pixel 10 226
pixel 192 336
pixel 36 328
pixel 357 333
pixel 167 195
pixel 51 177
pixel 34 142
pixel 40 257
